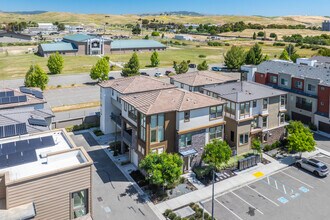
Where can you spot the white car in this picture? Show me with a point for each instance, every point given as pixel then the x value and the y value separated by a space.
pixel 316 167
pixel 158 74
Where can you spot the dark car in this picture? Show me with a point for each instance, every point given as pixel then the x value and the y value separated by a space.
pixel 191 65
pixel 215 68
pixel 111 78
pixel 144 74
pixel 167 72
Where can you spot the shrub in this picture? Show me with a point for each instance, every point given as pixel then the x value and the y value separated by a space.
pixel 278 44
pixel 312 127
pixel 177 218
pixel 167 212
pixel 260 42
pixel 227 44
pixel 214 44
pixel 202 56
pixel 171 216
pixel 206 215
pixel 98 132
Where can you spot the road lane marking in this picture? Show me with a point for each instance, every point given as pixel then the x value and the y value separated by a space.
pixel 263 196
pixel 298 180
pixel 228 209
pixel 247 203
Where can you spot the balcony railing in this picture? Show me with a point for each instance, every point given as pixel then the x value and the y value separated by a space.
pixel 127 137
pixel 116 119
pixel 304 106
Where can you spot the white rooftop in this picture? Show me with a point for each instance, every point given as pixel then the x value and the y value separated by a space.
pixel 44 163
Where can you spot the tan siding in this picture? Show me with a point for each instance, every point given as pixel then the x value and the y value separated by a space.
pixel 243 127
pixel 273 110
pixel 51 195
pixel 2 188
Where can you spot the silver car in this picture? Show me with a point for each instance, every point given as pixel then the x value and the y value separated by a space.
pixel 316 167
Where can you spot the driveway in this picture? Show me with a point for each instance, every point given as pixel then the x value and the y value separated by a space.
pixel 113 195
pixel 322 142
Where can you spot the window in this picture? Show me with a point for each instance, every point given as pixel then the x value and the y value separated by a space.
pixel 265 104
pixel 118 99
pixel 187 116
pixel 284 82
pixel 255 123
pixel 245 109
pixel 322 103
pixel 79 203
pixel 303 103
pixel 298 84
pixel 216 112
pixel 215 132
pixel 282 118
pixel 283 100
pixel 273 79
pixel 311 88
pixel 185 140
pixel 112 91
pixel 231 108
pixel 244 138
pixel 182 85
pixel 264 122
pixel 157 128
pixel 132 113
pixel 190 88
pixel 232 136
pixel 143 127
pixel 254 103
pixel 125 106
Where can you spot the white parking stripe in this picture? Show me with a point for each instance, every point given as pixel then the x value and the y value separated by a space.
pixel 228 209
pixel 263 196
pixel 247 203
pixel 298 180
pixel 284 189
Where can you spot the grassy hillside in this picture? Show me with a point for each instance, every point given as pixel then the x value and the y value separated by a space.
pixel 100 19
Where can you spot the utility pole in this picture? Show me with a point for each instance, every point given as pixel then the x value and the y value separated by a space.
pixel 213 194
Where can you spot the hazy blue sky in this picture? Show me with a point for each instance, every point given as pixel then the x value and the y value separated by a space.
pixel 226 7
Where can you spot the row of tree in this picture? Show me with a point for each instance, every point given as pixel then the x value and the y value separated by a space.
pixel 323 39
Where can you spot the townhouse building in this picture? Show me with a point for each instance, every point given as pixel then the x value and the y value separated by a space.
pixel 196 81
pixel 170 120
pixel 308 88
pixel 252 111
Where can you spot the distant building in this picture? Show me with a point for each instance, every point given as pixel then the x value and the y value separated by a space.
pixel 316 61
pixel 74 29
pixel 183 37
pixel 326 25
pixel 15 37
pixel 122 46
pixel 43 28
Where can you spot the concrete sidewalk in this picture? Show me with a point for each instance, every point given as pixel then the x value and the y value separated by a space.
pixel 242 178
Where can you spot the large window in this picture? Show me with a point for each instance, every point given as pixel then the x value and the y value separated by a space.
pixel 283 100
pixel 132 113
pixel 185 140
pixel 231 108
pixel 79 203
pixel 244 109
pixel 282 118
pixel 255 123
pixel 311 88
pixel 298 84
pixel 284 82
pixel 244 138
pixel 157 128
pixel 216 112
pixel 143 127
pixel 273 79
pixel 303 103
pixel 265 104
pixel 264 122
pixel 216 132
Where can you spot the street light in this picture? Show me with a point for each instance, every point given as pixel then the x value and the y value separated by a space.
pixel 212 193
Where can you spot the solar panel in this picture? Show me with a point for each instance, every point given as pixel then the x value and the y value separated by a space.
pixel 3 161
pixel 10 130
pixel 38 94
pixel 38 122
pixel 47 141
pixel 29 156
pixel 2 133
pixel 15 159
pixel 21 129
pixel 22 145
pixel 5 100
pixel 8 148
pixel 22 98
pixel 25 90
pixel 9 93
pixel 2 94
pixel 13 99
pixel 35 143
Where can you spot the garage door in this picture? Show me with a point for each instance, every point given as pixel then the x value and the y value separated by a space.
pixel 324 127
pixel 303 118
pixel 134 158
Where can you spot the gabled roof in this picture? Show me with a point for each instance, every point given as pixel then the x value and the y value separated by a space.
pixel 169 100
pixel 135 84
pixel 244 91
pixel 136 44
pixel 78 37
pixel 60 46
pixel 31 100
pixel 201 78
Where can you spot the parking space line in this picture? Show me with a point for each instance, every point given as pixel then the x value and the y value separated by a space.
pixel 284 189
pixel 298 180
pixel 228 209
pixel 247 202
pixel 263 196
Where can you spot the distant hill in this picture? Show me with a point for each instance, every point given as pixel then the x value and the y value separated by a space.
pixel 24 12
pixel 177 17
pixel 185 13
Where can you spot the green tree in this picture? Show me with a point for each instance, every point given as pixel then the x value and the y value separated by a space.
pixel 250 57
pixel 36 77
pixel 154 59
pixel 203 66
pixel 259 57
pixel 284 55
pixel 294 57
pixel 235 57
pixel 155 34
pixel 146 37
pixel 100 71
pixel 216 153
pixel 60 27
pixel 273 35
pixel 132 67
pixel 254 37
pixel 300 138
pixel 136 30
pixel 181 68
pixel 290 49
pixel 55 63
pixel 163 35
pixel 162 169
pixel 256 145
pixel 261 34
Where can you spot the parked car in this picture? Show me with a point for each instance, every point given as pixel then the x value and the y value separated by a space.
pixel 167 72
pixel 111 77
pixel 144 74
pixel 316 167
pixel 191 65
pixel 158 74
pixel 215 68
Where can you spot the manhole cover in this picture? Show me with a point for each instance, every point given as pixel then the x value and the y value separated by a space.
pixel 99 199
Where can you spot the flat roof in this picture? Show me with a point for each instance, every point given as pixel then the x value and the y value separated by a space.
pixel 201 78
pixel 300 71
pixel 169 100
pixel 135 44
pixel 244 91
pixel 55 154
pixel 135 84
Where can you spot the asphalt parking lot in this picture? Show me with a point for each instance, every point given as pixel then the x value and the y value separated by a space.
pixel 288 194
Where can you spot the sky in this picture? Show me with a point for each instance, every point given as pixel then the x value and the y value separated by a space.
pixel 220 7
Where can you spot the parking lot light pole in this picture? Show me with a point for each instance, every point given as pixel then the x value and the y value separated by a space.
pixel 212 193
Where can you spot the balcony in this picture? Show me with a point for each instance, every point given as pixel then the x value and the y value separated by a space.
pixel 127 137
pixel 116 118
pixel 304 106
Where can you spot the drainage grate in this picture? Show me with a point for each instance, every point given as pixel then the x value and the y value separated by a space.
pixel 99 199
